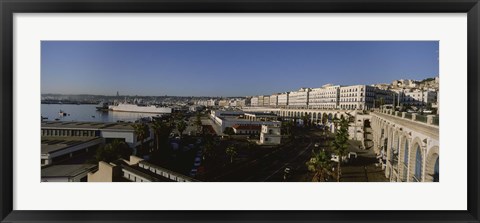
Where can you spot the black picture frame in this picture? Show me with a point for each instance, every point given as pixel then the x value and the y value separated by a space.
pixel 9 7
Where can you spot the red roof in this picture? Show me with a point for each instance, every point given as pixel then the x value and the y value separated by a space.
pixel 247 127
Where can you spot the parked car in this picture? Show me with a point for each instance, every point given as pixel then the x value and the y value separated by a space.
pixel 352 155
pixel 193 172
pixel 197 162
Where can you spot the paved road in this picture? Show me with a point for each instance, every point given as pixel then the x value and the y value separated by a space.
pixel 271 166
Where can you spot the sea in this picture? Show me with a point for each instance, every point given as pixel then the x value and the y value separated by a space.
pixel 88 113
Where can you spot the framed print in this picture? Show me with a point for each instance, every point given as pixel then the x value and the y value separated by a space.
pixel 239 111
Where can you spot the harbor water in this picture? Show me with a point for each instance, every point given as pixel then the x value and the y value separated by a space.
pixel 88 113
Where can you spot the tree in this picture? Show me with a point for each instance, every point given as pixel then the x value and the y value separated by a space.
pixel 229 131
pixel 231 151
pixel 335 121
pixel 340 144
pixel 306 120
pixel 142 131
pixel 181 126
pixel 209 149
pixel 198 122
pixel 320 164
pixel 112 151
pixel 162 130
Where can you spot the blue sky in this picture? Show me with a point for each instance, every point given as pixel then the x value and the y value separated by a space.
pixel 227 68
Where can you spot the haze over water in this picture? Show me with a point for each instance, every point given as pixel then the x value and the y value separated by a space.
pixel 88 113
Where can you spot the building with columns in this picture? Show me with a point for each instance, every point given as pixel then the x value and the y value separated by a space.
pixel 326 97
pixel 357 97
pixel 283 99
pixel 274 100
pixel 298 99
pixel 254 101
pixel 266 101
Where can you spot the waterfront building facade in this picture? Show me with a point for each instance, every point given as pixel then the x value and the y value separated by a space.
pixel 274 100
pixel 283 99
pixel 357 97
pixel 298 99
pixel 326 97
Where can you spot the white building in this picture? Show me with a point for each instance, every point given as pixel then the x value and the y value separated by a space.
pixel 283 99
pixel 254 102
pixel 274 100
pixel 326 97
pixel 270 135
pixel 418 97
pixel 64 140
pixel 298 99
pixel 212 102
pixel 355 97
pixel 266 101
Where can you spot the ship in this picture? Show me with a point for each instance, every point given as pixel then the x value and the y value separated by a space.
pixel 103 106
pixel 140 108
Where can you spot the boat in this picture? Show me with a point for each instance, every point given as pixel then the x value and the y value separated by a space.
pixel 62 113
pixel 103 106
pixel 124 107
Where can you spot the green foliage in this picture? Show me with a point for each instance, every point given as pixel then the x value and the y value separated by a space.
pixel 229 131
pixel 162 130
pixel 231 151
pixel 181 126
pixel 306 120
pixel 142 131
pixel 113 151
pixel 209 149
pixel 340 143
pixel 319 164
pixel 198 122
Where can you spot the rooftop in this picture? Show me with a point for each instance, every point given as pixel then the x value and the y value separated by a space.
pixel 87 125
pixel 247 127
pixel 67 170
pixel 54 144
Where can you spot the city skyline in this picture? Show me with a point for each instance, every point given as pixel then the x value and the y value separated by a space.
pixel 227 68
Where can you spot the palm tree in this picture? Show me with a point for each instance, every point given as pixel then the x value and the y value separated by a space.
pixel 340 144
pixel 156 127
pixel 324 119
pixel 305 120
pixel 320 165
pixel 112 151
pixel 181 126
pixel 198 122
pixel 208 150
pixel 231 151
pixel 141 130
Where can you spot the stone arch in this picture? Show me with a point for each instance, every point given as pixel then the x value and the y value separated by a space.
pixel 403 156
pixel 413 165
pixel 432 159
pixel 388 144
